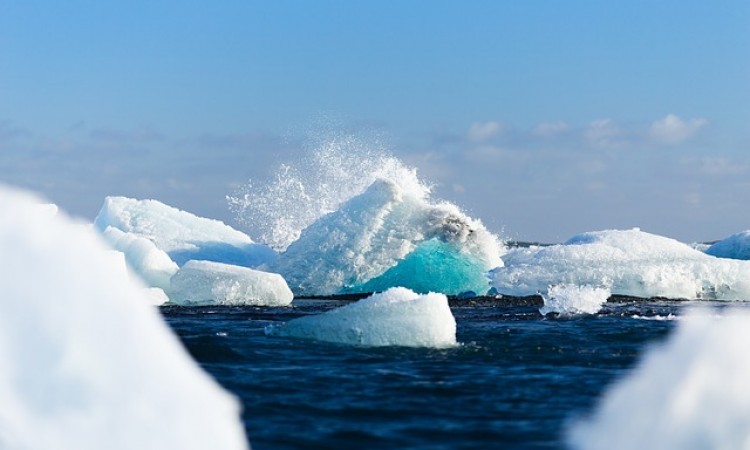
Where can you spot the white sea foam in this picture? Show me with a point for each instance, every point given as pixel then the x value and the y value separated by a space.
pixel 688 393
pixel 572 300
pixel 211 283
pixel 85 363
pixel 396 317
pixel 628 262
pixel 337 168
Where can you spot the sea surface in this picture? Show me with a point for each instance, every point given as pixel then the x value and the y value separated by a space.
pixel 516 381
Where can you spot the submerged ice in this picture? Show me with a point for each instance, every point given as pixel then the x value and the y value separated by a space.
pixel 388 236
pixel 85 363
pixel 627 262
pixel 396 317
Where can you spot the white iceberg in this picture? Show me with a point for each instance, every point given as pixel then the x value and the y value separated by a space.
pixel 153 265
pixel 573 300
pixel 627 262
pixel 736 246
pixel 396 317
pixel 211 283
pixel 182 235
pixel 690 393
pixel 386 237
pixel 85 363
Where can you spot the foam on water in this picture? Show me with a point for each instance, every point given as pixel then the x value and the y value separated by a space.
pixel 396 317
pixel 689 393
pixel 85 362
pixel 337 168
pixel 572 300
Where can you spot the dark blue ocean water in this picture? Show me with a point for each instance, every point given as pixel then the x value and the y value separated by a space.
pixel 516 381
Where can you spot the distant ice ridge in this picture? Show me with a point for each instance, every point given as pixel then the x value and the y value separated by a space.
pixel 396 317
pixel 736 246
pixel 182 235
pixel 627 262
pixel 386 237
pixel 85 363
pixel 210 283
pixel 690 393
pixel 572 300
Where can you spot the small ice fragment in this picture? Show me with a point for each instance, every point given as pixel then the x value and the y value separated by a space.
pixel 396 317
pixel 571 300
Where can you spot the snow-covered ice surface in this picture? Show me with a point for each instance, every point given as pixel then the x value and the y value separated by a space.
pixel 689 393
pixel 627 262
pixel 153 265
pixel 396 317
pixel 387 237
pixel 736 246
pixel 572 300
pixel 182 235
pixel 85 363
pixel 211 283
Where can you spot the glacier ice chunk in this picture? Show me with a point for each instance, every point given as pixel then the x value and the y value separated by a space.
pixel 387 237
pixel 85 362
pixel 153 265
pixel 736 246
pixel 572 300
pixel 689 393
pixel 211 283
pixel 396 317
pixel 627 262
pixel 182 235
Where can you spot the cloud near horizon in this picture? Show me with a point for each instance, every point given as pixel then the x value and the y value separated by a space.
pixel 673 130
pixel 484 131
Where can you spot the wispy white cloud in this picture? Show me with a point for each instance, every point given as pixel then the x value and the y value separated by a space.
pixel 484 131
pixel 605 133
pixel 674 130
pixel 551 129
pixel 715 166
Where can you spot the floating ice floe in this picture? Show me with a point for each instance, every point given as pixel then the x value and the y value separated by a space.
pixel 736 246
pixel 210 283
pixel 153 265
pixel 386 237
pixel 627 262
pixel 572 300
pixel 687 394
pixel 85 363
pixel 182 235
pixel 396 317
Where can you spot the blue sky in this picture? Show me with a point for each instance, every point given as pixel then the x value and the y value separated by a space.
pixel 544 119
